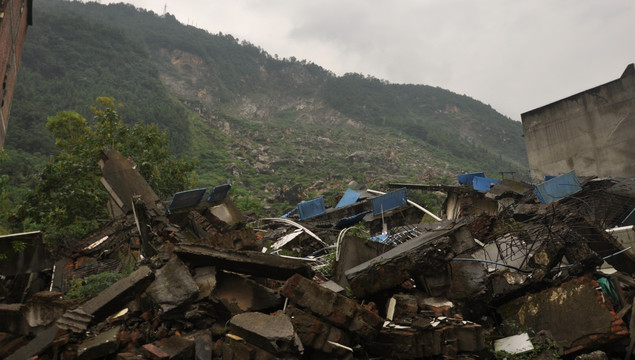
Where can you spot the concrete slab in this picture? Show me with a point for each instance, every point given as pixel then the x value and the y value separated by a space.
pixel 400 263
pixel 273 333
pixel 116 296
pixel 239 294
pixel 97 347
pixel 205 279
pixel 244 262
pixel 559 310
pixel 37 346
pixel 173 285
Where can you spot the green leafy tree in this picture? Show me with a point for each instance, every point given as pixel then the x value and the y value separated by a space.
pixel 69 200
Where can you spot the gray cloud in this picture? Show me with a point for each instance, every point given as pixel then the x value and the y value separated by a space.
pixel 513 55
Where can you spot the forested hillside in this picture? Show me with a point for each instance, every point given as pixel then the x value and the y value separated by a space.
pixel 265 124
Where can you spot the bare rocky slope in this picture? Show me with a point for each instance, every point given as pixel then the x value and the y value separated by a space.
pixel 249 118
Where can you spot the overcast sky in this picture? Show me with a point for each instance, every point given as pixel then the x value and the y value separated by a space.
pixel 514 55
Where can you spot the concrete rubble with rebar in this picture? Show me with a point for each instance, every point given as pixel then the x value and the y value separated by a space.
pixel 501 270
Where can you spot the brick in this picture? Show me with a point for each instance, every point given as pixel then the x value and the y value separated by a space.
pixel 332 307
pixel 315 333
pixel 154 353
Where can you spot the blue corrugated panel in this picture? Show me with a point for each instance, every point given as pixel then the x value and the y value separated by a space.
pixel 187 198
pixel 349 197
pixel 389 201
pixel 351 220
pixel 549 177
pixel 219 193
pixel 483 183
pixel 558 188
pixel 466 179
pixel 311 208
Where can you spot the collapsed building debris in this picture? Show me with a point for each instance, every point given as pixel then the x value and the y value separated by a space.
pixel 374 277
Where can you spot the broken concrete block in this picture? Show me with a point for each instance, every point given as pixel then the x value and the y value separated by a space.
pixel 239 294
pixel 218 234
pixel 97 347
pixel 244 262
pixel 203 345
pixel 558 310
pixel 336 309
pixel 272 333
pixel 45 307
pixel 117 295
pixel 402 308
pixel 517 344
pixel 468 279
pixel 317 334
pixel 333 286
pixel 352 252
pixel 123 182
pixel 173 285
pixel 205 279
pixel 470 337
pixel 405 261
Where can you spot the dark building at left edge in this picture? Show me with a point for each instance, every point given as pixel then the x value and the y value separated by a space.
pixel 15 17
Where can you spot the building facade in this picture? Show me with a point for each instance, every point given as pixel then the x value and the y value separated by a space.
pixel 15 16
pixel 592 132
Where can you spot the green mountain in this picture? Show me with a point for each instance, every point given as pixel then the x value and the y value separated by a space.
pixel 278 129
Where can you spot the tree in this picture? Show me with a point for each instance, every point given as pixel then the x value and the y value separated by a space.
pixel 68 200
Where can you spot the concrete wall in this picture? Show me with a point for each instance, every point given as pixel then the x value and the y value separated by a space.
pixel 15 16
pixel 592 132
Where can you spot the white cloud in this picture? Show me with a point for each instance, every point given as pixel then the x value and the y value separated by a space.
pixel 513 55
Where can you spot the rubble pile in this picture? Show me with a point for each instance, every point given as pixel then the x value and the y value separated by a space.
pixel 500 272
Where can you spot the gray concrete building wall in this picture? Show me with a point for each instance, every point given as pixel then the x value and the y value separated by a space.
pixel 592 132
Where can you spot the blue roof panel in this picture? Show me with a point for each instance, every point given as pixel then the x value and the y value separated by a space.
pixel 558 188
pixel 350 197
pixel 219 193
pixel 311 208
pixel 187 198
pixel 389 201
pixel 466 179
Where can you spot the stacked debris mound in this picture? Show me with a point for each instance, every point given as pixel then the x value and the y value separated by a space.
pixel 500 272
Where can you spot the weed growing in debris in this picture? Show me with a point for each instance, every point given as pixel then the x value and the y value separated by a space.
pixel 544 351
pixel 359 230
pixel 92 285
